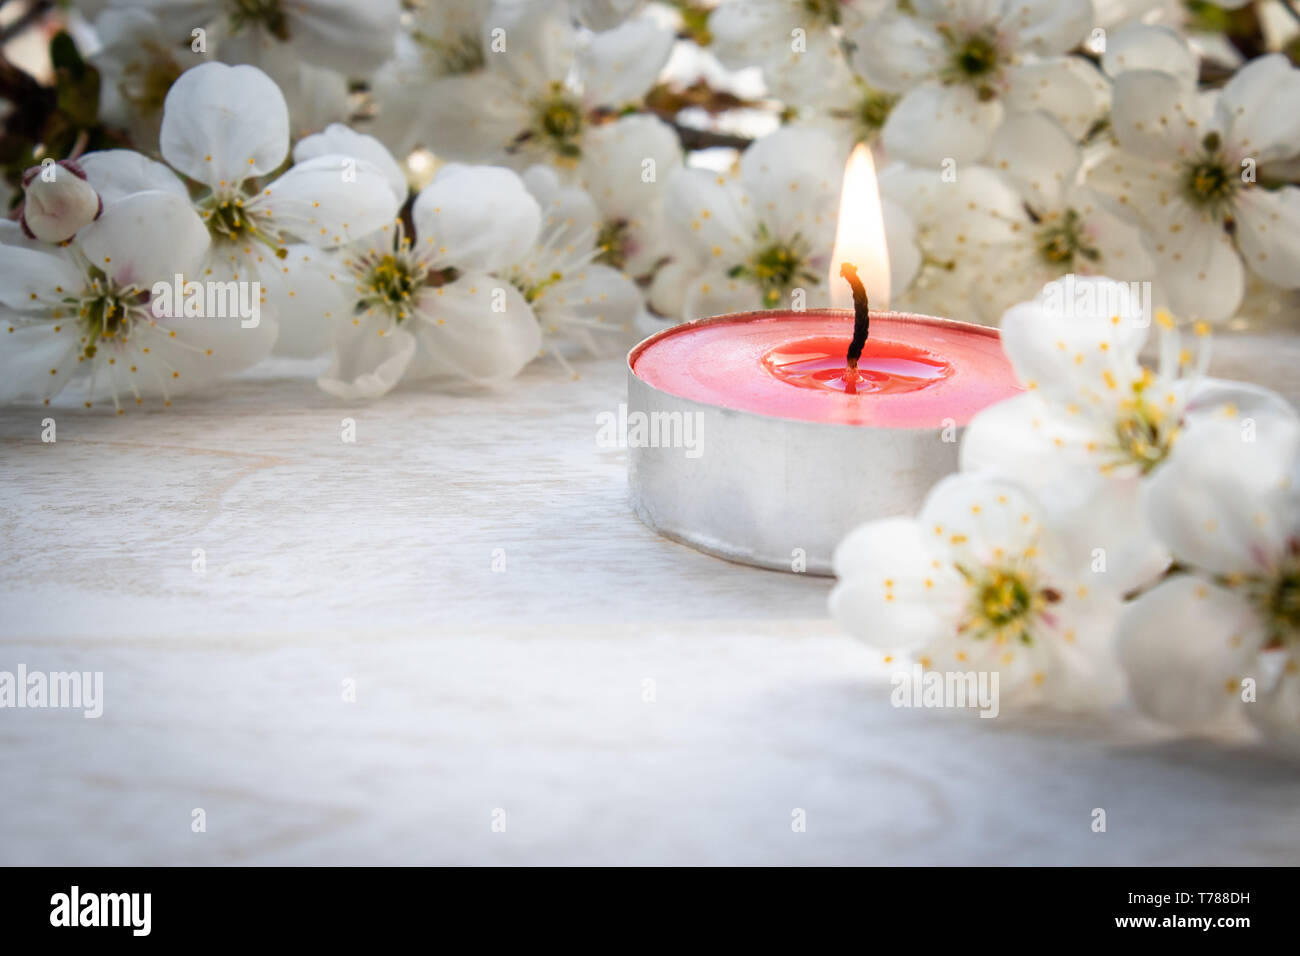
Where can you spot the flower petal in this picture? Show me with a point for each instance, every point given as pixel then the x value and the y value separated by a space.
pixel 1257 110
pixel 342 140
pixel 1185 646
pixel 223 124
pixel 327 201
pixel 540 43
pixel 1144 46
pixel 479 218
pixel 1268 232
pixel 620 65
pixel 1227 500
pixel 146 238
pixel 116 173
pixel 366 364
pixel 881 597
pixel 933 123
pixel 477 329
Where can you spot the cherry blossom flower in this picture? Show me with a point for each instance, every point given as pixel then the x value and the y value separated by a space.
pixel 433 304
pixel 797 44
pixel 336 34
pixel 1192 167
pixel 961 65
pixel 539 92
pixel 1223 635
pixel 1021 222
pixel 577 300
pixel 80 317
pixel 751 239
pixel 1095 423
pixel 137 62
pixel 982 580
pixel 227 128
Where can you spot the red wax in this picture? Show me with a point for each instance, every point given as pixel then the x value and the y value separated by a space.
pixel 915 371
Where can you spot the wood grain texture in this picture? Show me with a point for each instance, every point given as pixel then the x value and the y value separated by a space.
pixel 523 690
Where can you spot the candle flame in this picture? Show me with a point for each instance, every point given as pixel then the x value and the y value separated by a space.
pixel 860 234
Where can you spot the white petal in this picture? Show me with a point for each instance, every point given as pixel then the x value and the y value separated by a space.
pixel 569 216
pixel 474 118
pixel 881 597
pixel 540 43
pixel 896 53
pixel 34 276
pixel 313 290
pixel 366 364
pixel 1268 232
pixel 1050 26
pixel 477 329
pixel 342 34
pixel 933 123
pixel 1144 46
pixel 120 172
pixel 1226 500
pixel 1154 115
pixel 615 160
pixel 223 124
pixel 1035 152
pixel 1185 646
pixel 619 66
pixel 1070 89
pixel 1068 335
pixel 1257 109
pixel 146 238
pixel 35 361
pixel 483 217
pixel 326 201
pixel 344 141
pixel 715 293
pixel 793 179
pixel 711 211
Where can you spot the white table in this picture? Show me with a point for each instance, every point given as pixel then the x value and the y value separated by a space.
pixel 621 698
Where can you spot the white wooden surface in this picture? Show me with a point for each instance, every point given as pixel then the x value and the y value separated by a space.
pixel 522 691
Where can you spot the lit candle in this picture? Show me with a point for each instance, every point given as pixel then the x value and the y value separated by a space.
pixel 812 422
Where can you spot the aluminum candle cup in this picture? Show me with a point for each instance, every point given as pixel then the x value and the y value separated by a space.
pixel 746 442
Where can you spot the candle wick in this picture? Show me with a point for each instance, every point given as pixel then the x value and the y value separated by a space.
pixel 861 319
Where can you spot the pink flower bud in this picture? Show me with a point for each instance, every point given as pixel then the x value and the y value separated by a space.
pixel 58 201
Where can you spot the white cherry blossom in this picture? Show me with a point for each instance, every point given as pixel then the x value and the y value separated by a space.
pixel 752 238
pixel 227 128
pixel 798 44
pixel 80 318
pixel 432 304
pixel 981 580
pixel 1192 167
pixel 540 91
pixel 1223 634
pixel 1094 422
pixel 961 65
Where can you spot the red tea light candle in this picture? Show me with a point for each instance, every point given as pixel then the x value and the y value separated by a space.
pixel 803 425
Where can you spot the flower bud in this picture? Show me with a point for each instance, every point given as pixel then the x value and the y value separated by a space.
pixel 58 201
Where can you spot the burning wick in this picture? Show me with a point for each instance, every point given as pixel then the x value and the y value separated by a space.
pixel 861 322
